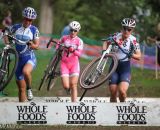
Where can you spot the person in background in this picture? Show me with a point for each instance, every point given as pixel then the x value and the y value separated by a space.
pixel 7 21
pixel 69 66
pixel 120 79
pixel 28 33
pixel 65 31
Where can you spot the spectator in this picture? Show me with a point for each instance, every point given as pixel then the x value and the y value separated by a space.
pixel 65 31
pixel 7 21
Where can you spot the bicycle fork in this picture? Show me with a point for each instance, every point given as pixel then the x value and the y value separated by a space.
pixel 99 70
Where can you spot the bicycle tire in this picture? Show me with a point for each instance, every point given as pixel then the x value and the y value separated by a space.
pixel 47 72
pixel 90 69
pixel 51 83
pixel 10 52
pixel 53 77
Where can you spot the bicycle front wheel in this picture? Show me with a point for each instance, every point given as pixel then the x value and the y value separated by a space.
pixel 48 78
pixel 8 67
pixel 96 72
pixel 53 76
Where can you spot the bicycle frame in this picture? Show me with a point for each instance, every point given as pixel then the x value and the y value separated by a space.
pixel 50 72
pixel 99 69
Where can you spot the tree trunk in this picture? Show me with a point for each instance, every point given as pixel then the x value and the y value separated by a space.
pixel 46 17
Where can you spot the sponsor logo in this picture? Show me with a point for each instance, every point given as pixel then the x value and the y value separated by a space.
pixel 131 114
pixel 81 114
pixel 10 126
pixel 32 114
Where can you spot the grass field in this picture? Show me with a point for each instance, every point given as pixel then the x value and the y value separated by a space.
pixel 143 83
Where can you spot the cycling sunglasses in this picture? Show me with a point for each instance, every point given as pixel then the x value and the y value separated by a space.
pixel 73 30
pixel 127 29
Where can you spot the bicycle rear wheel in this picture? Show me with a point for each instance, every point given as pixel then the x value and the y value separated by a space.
pixel 91 77
pixel 8 65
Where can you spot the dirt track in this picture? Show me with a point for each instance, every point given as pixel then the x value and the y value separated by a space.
pixel 88 128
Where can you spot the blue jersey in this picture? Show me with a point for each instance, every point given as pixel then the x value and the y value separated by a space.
pixel 26 55
pixel 24 34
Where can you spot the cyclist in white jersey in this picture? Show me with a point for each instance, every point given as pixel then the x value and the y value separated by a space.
pixel 25 31
pixel 128 48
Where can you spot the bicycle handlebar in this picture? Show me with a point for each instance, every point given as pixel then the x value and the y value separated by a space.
pixel 128 54
pixel 13 38
pixel 56 42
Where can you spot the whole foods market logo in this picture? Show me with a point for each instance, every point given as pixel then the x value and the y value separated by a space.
pixel 81 114
pixel 32 114
pixel 131 114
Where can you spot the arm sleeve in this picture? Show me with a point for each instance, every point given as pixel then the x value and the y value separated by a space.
pixel 79 50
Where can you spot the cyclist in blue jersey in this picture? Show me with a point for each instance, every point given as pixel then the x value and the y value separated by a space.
pixel 120 79
pixel 25 31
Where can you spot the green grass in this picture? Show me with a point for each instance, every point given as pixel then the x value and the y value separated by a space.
pixel 143 83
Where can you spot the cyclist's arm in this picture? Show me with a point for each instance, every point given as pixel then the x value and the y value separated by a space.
pixel 137 55
pixel 136 51
pixel 105 45
pixel 34 44
pixel 79 50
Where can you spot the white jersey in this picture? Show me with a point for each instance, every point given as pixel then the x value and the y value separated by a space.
pixel 128 45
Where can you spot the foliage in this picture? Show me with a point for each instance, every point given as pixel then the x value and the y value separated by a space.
pixel 97 17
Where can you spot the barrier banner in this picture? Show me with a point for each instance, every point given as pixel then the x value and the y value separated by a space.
pixel 80 113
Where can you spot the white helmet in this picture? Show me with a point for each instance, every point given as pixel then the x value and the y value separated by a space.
pixel 75 25
pixel 29 13
pixel 128 22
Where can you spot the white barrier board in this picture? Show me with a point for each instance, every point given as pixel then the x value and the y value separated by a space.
pixel 81 113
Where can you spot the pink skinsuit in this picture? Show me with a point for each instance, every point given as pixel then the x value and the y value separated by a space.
pixel 70 65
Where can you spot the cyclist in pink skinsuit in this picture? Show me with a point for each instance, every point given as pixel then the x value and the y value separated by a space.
pixel 69 66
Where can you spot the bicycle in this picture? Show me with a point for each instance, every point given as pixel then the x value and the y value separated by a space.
pixel 8 60
pixel 101 68
pixel 52 70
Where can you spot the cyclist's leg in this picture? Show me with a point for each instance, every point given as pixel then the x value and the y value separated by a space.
pixel 123 87
pixel 73 85
pixel 27 70
pixel 30 64
pixel 65 77
pixel 65 81
pixel 21 83
pixel 113 87
pixel 22 90
pixel 74 75
pixel 124 80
